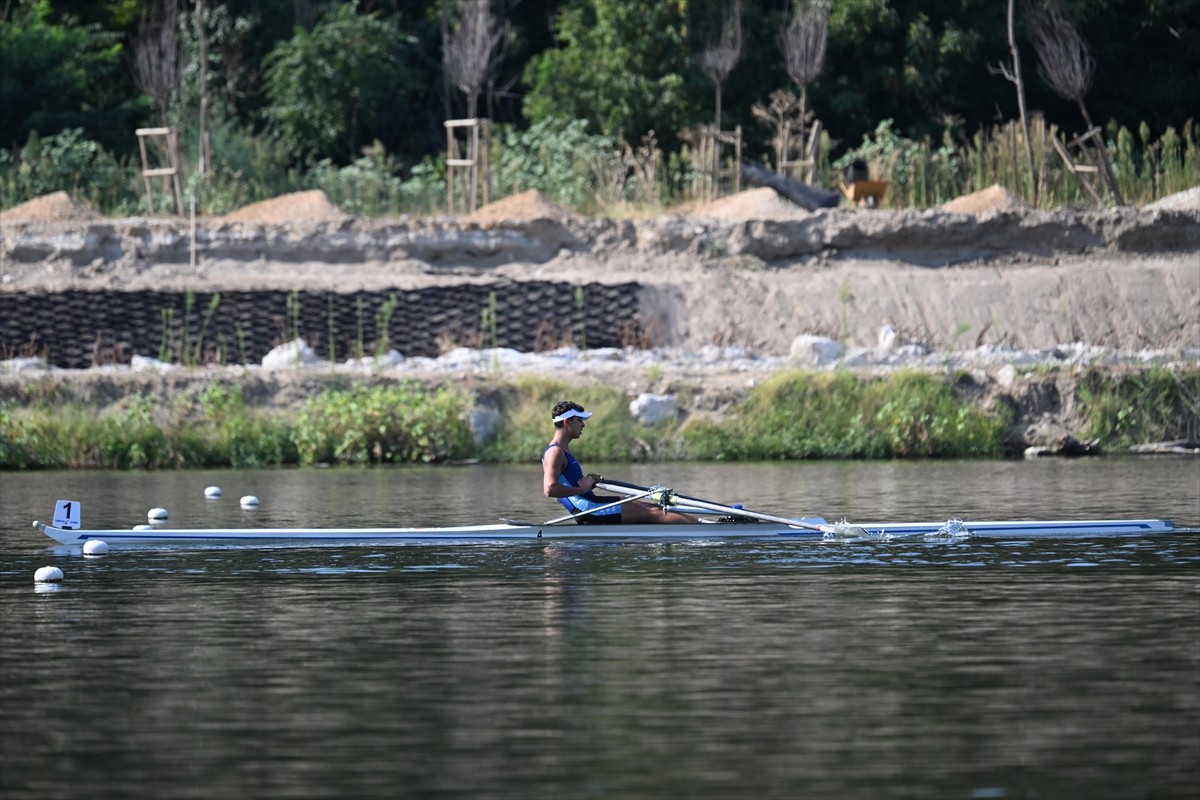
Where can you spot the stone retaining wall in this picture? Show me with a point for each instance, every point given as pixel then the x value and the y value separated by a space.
pixel 78 329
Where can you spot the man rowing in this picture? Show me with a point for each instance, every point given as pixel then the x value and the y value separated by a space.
pixel 564 481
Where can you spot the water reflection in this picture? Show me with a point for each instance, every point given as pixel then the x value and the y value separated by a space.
pixel 910 668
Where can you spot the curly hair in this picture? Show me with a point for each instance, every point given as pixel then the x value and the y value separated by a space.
pixel 562 407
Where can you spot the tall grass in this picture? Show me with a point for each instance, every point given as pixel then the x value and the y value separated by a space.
pixel 597 175
pixel 793 415
pixel 1153 405
pixel 924 174
pixel 802 415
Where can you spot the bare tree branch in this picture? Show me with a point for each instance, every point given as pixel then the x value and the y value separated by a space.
pixel 720 57
pixel 803 41
pixel 156 53
pixel 471 48
pixel 1012 73
pixel 1063 58
pixel 803 44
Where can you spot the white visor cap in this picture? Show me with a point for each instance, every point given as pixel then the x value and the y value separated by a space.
pixel 573 412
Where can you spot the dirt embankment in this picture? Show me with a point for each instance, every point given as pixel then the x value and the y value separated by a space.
pixel 750 269
pixel 727 287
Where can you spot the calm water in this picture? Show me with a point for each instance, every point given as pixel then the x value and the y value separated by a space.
pixel 905 669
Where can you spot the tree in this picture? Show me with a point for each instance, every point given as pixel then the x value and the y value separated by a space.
pixel 1012 72
pixel 1063 58
pixel 61 75
pixel 329 90
pixel 156 54
pixel 471 49
pixel 803 43
pixel 720 57
pixel 618 65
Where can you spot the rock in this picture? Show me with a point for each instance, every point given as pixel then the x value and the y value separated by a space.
pixel 146 363
pixel 887 339
pixel 484 422
pixel 815 351
pixel 23 364
pixel 291 355
pixel 654 409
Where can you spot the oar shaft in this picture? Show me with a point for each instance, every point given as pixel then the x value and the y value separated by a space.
pixel 629 488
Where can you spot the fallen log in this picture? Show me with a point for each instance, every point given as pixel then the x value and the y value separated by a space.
pixel 810 198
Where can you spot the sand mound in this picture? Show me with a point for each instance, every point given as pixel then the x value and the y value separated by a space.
pixel 993 198
pixel 761 203
pixel 310 206
pixel 55 207
pixel 522 207
pixel 1187 200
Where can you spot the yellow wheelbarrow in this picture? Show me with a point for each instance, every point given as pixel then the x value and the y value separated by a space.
pixel 869 192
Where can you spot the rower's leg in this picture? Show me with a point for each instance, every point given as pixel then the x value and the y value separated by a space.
pixel 638 511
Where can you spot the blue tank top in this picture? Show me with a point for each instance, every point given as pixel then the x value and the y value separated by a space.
pixel 571 475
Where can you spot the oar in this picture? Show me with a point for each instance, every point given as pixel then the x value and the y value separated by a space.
pixel 638 496
pixel 671 498
pixel 566 517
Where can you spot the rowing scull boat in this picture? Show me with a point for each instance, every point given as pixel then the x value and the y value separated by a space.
pixel 569 531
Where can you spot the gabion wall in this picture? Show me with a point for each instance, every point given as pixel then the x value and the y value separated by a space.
pixel 79 329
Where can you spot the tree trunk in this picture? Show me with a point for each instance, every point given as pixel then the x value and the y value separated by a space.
pixel 202 35
pixel 1020 83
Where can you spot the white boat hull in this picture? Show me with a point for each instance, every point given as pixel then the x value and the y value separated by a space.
pixel 503 532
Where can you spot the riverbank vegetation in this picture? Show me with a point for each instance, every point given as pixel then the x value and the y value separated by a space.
pixel 793 415
pixel 599 104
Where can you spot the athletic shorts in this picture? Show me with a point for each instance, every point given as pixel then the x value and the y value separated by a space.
pixel 609 516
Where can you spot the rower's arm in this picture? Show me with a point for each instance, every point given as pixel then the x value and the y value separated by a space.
pixel 552 467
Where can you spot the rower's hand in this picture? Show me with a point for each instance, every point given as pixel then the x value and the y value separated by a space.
pixel 589 481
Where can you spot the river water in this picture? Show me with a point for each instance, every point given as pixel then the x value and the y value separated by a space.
pixel 979 668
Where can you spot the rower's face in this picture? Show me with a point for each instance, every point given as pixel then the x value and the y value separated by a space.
pixel 578 423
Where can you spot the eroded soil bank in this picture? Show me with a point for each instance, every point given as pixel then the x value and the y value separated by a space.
pixel 738 280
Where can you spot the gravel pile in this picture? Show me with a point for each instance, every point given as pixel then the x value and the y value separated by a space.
pixel 310 206
pixel 993 198
pixel 49 208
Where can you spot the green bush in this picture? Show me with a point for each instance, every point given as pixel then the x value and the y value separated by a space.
pixel 68 162
pixel 800 415
pixel 1153 405
pixel 383 425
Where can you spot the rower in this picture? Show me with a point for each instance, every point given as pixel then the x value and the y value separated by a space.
pixel 563 479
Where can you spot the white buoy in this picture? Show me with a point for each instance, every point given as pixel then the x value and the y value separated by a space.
pixel 249 501
pixel 156 513
pixel 143 527
pixel 48 575
pixel 212 492
pixel 95 547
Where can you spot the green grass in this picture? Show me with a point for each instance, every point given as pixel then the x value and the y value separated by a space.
pixel 793 415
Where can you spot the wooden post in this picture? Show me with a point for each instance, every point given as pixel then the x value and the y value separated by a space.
pixel 170 171
pixel 468 169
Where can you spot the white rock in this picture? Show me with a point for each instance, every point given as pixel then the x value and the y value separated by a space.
pixel 887 339
pixel 815 351
pixel 654 409
pixel 23 364
pixel 290 355
pixel 484 422
pixel 1006 376
pixel 146 364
